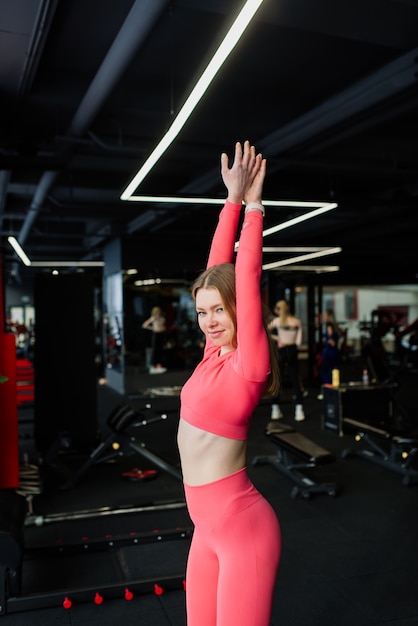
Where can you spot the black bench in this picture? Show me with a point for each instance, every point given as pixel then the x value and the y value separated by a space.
pixel 295 453
pixel 392 451
pixel 124 422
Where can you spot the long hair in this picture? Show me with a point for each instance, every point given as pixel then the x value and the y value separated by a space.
pixel 273 382
pixel 283 310
pixel 222 277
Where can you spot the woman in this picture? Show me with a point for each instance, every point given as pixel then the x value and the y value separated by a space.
pixel 287 332
pixel 236 544
pixel 156 323
pixel 330 357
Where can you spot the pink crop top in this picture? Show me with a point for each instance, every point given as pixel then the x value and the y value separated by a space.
pixel 223 391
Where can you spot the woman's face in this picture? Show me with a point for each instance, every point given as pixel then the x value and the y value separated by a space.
pixel 213 319
pixel 280 308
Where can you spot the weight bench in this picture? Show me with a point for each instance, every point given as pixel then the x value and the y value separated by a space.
pixel 296 452
pixel 123 423
pixel 396 453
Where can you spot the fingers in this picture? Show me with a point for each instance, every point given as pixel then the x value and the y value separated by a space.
pixel 249 152
pixel 246 175
pixel 263 168
pixel 253 192
pixel 250 157
pixel 224 163
pixel 238 152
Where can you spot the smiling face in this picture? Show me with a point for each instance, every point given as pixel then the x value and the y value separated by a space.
pixel 214 321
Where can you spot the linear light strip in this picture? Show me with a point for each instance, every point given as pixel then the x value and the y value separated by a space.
pixel 318 269
pixel 303 257
pixel 299 219
pixel 198 200
pixel 294 248
pixel 19 251
pixel 26 260
pixel 232 37
pixel 67 264
pixel 321 207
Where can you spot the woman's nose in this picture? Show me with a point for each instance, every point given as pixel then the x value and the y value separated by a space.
pixel 211 320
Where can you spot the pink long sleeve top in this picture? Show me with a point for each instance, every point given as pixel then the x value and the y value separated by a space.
pixel 223 391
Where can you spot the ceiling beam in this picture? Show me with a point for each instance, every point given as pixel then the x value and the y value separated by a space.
pixel 136 27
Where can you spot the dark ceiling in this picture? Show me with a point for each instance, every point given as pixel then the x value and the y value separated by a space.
pixel 326 89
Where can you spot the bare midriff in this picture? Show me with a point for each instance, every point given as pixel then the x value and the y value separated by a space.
pixel 206 457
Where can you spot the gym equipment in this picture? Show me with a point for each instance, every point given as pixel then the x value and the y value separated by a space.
pixel 9 430
pixel 376 416
pixel 395 452
pixel 296 452
pixel 25 382
pixel 34 519
pixel 123 422
pixel 102 569
pixel 9 427
pixel 356 400
pixel 103 565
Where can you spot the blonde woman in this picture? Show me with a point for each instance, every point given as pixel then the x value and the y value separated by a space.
pixel 157 324
pixel 236 545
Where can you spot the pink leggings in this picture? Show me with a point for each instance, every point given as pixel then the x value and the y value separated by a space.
pixel 234 554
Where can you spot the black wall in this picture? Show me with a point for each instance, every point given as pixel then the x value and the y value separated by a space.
pixel 64 360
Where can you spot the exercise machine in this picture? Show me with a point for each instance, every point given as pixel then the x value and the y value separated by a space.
pixel 109 565
pixel 124 423
pixel 113 565
pixel 297 453
pixel 392 451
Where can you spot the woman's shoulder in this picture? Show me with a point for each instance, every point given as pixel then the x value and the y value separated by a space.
pixel 292 321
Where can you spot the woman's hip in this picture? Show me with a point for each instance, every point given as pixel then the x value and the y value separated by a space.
pixel 224 497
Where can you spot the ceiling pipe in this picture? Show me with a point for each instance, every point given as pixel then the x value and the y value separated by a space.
pixel 44 17
pixel 136 27
pixel 390 80
pixel 393 78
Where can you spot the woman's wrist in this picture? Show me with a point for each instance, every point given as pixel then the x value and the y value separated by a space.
pixel 255 206
pixel 234 198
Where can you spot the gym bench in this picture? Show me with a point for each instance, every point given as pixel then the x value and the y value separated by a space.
pixel 296 452
pixel 396 453
pixel 123 422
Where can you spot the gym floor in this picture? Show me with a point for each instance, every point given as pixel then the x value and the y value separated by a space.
pixel 349 560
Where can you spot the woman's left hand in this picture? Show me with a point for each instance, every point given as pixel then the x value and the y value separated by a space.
pixel 240 178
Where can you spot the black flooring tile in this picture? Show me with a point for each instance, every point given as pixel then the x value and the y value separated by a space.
pixel 146 610
pixel 349 560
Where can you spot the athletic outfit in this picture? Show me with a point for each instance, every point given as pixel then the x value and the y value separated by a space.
pixel 287 356
pixel 330 357
pixel 236 543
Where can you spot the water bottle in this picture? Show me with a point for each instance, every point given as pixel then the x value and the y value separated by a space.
pixel 365 377
pixel 335 378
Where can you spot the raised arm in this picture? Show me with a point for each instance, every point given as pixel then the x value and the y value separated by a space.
pixel 252 338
